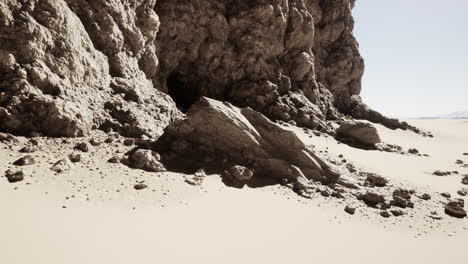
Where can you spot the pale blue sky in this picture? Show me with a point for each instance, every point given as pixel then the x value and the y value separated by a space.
pixel 416 54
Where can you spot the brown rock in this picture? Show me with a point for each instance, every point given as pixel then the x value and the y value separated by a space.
pixel 376 180
pixel 14 176
pixel 217 133
pixel 24 161
pixel 146 160
pixel 62 165
pixel 75 157
pixel 350 210
pixel 373 199
pixel 140 186
pixel 385 214
pixel 240 173
pixel 359 132
pixel 455 209
pixel 84 147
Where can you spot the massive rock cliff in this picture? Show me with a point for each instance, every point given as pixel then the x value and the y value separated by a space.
pixel 70 66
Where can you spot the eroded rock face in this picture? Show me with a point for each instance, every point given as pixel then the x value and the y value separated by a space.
pixel 285 59
pixel 67 67
pixel 291 60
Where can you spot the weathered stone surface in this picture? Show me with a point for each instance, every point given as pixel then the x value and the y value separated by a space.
pixel 14 176
pixel 455 209
pixel 70 66
pixel 372 199
pixel 290 60
pixel 67 67
pixel 146 160
pixel 376 180
pixel 62 165
pixel 219 135
pixel 358 132
pixel 24 161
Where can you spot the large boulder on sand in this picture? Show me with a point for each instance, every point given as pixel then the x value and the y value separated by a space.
pixel 359 132
pixel 217 135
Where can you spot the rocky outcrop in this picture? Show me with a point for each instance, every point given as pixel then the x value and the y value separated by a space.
pixel 235 136
pixel 67 67
pixel 70 66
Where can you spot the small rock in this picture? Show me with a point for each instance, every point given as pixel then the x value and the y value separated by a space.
pixel 325 193
pixel 455 209
pixel 373 199
pixel 75 157
pixel 14 176
pixel 441 173
pixel 114 159
pixel 401 198
pixel 351 168
pixel 466 154
pixel 459 162
pixel 376 180
pixel 350 210
pixel 446 195
pixel 140 186
pixel 425 196
pixel 62 165
pixel 29 149
pixel 24 161
pixel 240 173
pixel 196 179
pixel 94 142
pixel 413 151
pixel 385 214
pixel 465 180
pixel 129 142
pixel 82 147
pixel 462 192
pixel 146 160
pixel 336 194
pixel 397 212
pixel 108 140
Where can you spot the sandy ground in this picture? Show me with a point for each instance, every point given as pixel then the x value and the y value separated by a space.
pixel 106 221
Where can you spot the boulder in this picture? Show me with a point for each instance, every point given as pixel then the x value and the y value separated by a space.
pixel 62 165
pixel 14 176
pixel 75 157
pixel 402 198
pixel 359 132
pixel 350 210
pixel 376 180
pixel 372 199
pixel 240 173
pixel 83 146
pixel 24 161
pixel 217 135
pixel 465 180
pixel 455 209
pixel 146 160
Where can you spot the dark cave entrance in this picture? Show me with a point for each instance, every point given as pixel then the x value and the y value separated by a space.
pixel 182 92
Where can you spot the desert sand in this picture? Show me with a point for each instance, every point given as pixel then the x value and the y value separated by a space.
pixel 92 214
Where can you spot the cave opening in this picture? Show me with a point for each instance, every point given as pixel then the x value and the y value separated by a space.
pixel 184 93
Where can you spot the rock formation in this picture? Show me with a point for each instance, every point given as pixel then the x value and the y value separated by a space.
pixel 67 67
pixel 70 66
pixel 136 66
pixel 234 136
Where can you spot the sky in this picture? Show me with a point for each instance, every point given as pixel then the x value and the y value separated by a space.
pixel 416 55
